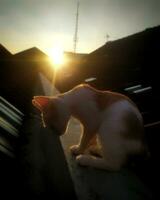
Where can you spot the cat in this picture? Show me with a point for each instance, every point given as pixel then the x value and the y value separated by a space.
pixel 109 118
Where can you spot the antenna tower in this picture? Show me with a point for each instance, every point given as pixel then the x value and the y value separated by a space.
pixel 75 39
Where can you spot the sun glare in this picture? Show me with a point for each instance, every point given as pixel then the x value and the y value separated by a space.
pixel 56 55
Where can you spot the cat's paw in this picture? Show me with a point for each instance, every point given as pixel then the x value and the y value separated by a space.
pixel 83 160
pixel 75 150
pixel 95 151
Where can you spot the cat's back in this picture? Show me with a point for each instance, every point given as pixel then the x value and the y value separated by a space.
pixel 108 103
pixel 120 107
pixel 83 95
pixel 103 100
pixel 122 116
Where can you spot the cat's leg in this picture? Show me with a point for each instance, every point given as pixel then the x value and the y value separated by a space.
pixel 95 151
pixel 100 163
pixel 94 147
pixel 83 144
pixel 113 149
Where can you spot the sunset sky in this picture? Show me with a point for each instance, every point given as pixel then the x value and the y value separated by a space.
pixel 48 23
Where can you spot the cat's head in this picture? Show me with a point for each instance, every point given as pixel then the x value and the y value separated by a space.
pixel 54 112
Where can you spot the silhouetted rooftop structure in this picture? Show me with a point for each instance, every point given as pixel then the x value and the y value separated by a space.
pixel 119 62
pixel 4 53
pixel 132 44
pixel 15 69
pixel 32 54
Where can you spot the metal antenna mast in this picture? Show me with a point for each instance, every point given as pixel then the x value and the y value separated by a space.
pixel 75 39
pixel 107 37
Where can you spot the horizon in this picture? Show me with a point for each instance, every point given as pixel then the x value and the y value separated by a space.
pixel 65 51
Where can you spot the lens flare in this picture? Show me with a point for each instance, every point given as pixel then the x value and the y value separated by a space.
pixel 56 55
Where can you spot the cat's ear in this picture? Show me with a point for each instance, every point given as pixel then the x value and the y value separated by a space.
pixel 40 102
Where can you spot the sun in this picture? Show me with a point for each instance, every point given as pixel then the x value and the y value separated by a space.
pixel 56 55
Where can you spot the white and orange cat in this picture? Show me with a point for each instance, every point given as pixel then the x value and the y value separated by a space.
pixel 110 118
